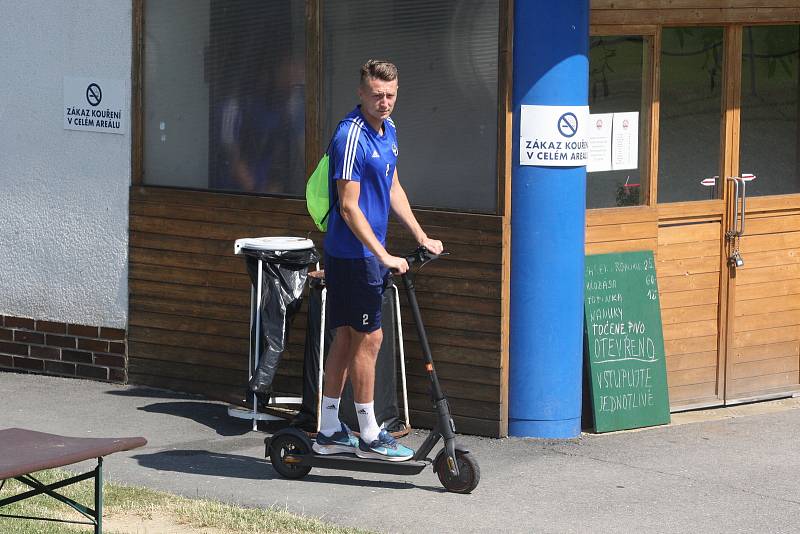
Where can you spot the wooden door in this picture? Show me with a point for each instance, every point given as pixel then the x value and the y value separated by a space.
pixel 692 148
pixel 683 128
pixel 763 356
pixel 763 315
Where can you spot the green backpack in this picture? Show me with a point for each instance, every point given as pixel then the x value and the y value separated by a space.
pixel 317 198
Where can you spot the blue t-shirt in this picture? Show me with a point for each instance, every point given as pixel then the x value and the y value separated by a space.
pixel 361 154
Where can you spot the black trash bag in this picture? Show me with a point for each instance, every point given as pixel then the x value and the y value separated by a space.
pixel 386 402
pixel 282 282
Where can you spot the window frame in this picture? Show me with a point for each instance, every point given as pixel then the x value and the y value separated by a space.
pixel 648 142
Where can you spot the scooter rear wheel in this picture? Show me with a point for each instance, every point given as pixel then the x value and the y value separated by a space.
pixel 469 472
pixel 281 450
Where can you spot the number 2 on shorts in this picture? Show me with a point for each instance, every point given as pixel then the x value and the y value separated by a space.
pixel 365 318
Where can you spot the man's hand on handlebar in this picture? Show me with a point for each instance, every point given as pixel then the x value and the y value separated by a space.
pixel 395 264
pixel 428 250
pixel 434 246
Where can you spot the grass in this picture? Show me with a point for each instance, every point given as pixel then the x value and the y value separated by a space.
pixel 135 504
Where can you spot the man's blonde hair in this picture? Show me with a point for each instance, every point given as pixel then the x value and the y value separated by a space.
pixel 378 69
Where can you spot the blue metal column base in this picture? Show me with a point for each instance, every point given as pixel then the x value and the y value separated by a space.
pixel 562 429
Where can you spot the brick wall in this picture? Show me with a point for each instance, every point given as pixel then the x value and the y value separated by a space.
pixel 63 349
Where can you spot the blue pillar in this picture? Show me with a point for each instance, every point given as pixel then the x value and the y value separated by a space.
pixel 551 67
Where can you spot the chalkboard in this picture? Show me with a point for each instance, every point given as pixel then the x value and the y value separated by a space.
pixel 624 342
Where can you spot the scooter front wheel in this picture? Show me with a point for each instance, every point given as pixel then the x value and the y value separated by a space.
pixel 283 452
pixel 469 473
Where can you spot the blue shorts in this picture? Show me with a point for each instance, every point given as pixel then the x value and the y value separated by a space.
pixel 355 292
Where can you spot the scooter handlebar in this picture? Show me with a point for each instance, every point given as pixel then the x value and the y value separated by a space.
pixel 422 255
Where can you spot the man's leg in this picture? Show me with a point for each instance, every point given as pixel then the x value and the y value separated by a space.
pixel 339 358
pixel 365 347
pixel 355 354
pixel 334 437
pixel 374 442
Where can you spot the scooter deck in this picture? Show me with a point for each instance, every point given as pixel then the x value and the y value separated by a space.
pixel 354 463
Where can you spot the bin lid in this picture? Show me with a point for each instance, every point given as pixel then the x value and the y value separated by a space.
pixel 276 243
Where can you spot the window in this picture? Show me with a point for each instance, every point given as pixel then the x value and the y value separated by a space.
pixel 446 114
pixel 769 118
pixel 690 125
pixel 616 85
pixel 224 95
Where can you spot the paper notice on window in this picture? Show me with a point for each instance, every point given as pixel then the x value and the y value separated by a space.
pixel 600 125
pixel 625 141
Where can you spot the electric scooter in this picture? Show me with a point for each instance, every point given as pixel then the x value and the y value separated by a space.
pixel 291 454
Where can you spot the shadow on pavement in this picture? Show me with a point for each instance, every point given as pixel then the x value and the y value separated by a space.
pixel 200 462
pixel 212 415
pixel 350 481
pixel 155 393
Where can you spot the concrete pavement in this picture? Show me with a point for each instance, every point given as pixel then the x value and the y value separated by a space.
pixel 729 470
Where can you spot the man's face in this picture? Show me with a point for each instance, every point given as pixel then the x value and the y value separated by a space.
pixel 377 98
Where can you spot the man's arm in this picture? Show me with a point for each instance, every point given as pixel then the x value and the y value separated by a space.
pixel 402 209
pixel 352 215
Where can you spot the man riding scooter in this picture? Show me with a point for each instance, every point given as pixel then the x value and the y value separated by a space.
pixel 364 185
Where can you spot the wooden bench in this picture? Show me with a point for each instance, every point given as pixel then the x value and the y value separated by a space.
pixel 23 452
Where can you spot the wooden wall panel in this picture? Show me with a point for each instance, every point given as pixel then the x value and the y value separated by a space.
pixel 688 265
pixel 621 230
pixel 190 301
pixel 766 339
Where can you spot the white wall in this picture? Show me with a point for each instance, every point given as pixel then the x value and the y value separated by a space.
pixel 63 193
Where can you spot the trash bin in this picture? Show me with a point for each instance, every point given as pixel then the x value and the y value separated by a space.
pixel 278 268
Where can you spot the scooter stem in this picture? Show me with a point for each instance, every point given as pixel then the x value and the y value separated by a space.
pixel 444 424
pixel 436 391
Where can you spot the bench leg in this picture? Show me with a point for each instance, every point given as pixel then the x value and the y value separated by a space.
pixel 98 496
pixel 95 516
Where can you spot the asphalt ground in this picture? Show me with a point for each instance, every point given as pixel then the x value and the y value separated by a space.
pixel 726 470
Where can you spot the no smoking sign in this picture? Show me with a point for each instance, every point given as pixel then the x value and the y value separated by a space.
pixel 94 94
pixel 554 136
pixel 95 105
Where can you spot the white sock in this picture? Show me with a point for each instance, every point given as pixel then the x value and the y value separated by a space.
pixel 329 416
pixel 367 425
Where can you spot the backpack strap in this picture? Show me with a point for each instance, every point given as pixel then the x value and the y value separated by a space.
pixel 335 190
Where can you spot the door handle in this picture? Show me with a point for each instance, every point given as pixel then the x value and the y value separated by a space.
pixel 736 228
pixel 744 178
pixel 733 226
pixel 740 232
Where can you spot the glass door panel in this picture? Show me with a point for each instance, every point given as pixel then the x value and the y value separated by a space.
pixel 769 124
pixel 617 81
pixel 690 118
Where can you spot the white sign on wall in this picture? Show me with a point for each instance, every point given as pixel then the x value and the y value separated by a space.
pixel 626 141
pixel 554 136
pixel 613 141
pixel 95 105
pixel 600 142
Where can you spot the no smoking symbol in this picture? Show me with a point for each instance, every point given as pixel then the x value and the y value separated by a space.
pixel 568 124
pixel 94 94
